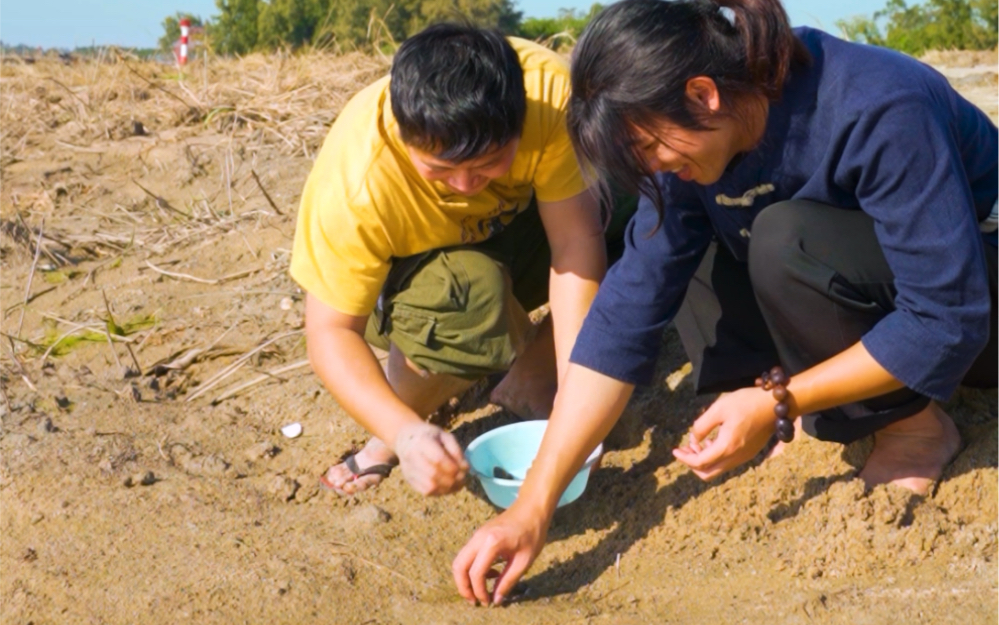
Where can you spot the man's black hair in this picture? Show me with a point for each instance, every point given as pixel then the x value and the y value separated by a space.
pixel 457 91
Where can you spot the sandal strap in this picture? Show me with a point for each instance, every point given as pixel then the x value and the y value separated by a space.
pixel 383 469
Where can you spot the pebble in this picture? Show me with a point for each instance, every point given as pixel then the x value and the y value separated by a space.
pixel 292 430
pixel 368 515
pixel 286 303
pixel 146 478
pixel 283 487
pixel 206 466
pixel 265 449
pixel 45 426
pixel 18 440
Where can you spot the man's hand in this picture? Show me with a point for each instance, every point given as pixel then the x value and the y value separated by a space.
pixel 514 538
pixel 430 459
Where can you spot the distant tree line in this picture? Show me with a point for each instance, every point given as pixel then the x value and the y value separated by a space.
pixel 243 26
pixel 930 25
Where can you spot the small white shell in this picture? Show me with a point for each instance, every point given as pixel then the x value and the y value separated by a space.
pixel 292 430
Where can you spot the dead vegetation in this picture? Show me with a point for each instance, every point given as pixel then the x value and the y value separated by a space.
pixel 114 160
pixel 962 58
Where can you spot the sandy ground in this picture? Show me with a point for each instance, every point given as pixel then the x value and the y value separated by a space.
pixel 153 348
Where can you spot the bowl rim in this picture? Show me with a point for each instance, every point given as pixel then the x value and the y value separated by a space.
pixel 485 436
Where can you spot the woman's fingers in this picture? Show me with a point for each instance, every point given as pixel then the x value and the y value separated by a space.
pixel 462 565
pixel 511 574
pixel 703 461
pixel 473 566
pixel 480 568
pixel 705 423
pixel 504 539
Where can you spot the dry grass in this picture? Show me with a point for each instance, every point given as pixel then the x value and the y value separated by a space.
pixel 279 100
pixel 128 162
pixel 961 58
pixel 243 111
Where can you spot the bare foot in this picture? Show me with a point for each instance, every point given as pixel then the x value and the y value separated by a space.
pixel 525 396
pixel 528 389
pixel 913 452
pixel 340 478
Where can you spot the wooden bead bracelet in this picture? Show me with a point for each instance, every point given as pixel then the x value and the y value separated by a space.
pixel 775 381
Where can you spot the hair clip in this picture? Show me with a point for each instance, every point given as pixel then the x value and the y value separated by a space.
pixel 728 14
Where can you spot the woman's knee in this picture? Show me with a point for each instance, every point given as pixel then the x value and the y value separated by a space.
pixel 776 234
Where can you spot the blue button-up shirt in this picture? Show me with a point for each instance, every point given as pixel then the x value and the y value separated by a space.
pixel 861 128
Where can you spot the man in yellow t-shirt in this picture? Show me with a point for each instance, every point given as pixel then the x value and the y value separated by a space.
pixel 446 202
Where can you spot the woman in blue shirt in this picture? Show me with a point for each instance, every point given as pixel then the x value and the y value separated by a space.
pixel 817 210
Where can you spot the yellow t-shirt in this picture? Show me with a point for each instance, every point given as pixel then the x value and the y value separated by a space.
pixel 364 203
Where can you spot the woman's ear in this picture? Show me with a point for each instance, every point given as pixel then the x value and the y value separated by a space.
pixel 703 92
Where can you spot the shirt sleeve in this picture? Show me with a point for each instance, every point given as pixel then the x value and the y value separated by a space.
pixel 622 334
pixel 908 174
pixel 558 175
pixel 336 255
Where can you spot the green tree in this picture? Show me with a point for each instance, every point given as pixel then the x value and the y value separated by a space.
pixel 934 24
pixel 862 29
pixel 499 14
pixel 171 29
pixel 246 25
pixel 569 22
pixel 288 22
pixel 234 31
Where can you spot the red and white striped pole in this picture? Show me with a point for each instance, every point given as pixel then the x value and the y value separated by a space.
pixel 185 32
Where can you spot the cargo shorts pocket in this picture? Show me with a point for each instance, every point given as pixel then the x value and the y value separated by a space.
pixel 411 325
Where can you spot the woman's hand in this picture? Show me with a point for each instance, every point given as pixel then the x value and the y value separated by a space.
pixel 745 420
pixel 514 538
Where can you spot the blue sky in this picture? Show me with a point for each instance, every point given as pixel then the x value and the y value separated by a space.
pixel 136 23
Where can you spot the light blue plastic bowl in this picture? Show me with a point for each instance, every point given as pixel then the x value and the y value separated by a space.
pixel 513 448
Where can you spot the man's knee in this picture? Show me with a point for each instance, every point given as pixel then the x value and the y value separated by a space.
pixel 454 316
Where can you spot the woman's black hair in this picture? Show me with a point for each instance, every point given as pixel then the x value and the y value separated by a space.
pixel 631 66
pixel 457 91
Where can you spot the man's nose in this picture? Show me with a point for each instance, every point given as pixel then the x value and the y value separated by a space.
pixel 461 181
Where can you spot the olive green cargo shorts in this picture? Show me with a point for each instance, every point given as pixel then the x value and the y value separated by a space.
pixel 463 310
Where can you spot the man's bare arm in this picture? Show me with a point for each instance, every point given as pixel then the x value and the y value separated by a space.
pixel 579 261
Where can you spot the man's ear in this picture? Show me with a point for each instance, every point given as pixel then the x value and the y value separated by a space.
pixel 703 92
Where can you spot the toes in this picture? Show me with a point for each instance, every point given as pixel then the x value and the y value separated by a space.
pixel 342 479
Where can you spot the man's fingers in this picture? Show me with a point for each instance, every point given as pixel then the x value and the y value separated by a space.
pixel 453 448
pixel 434 454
